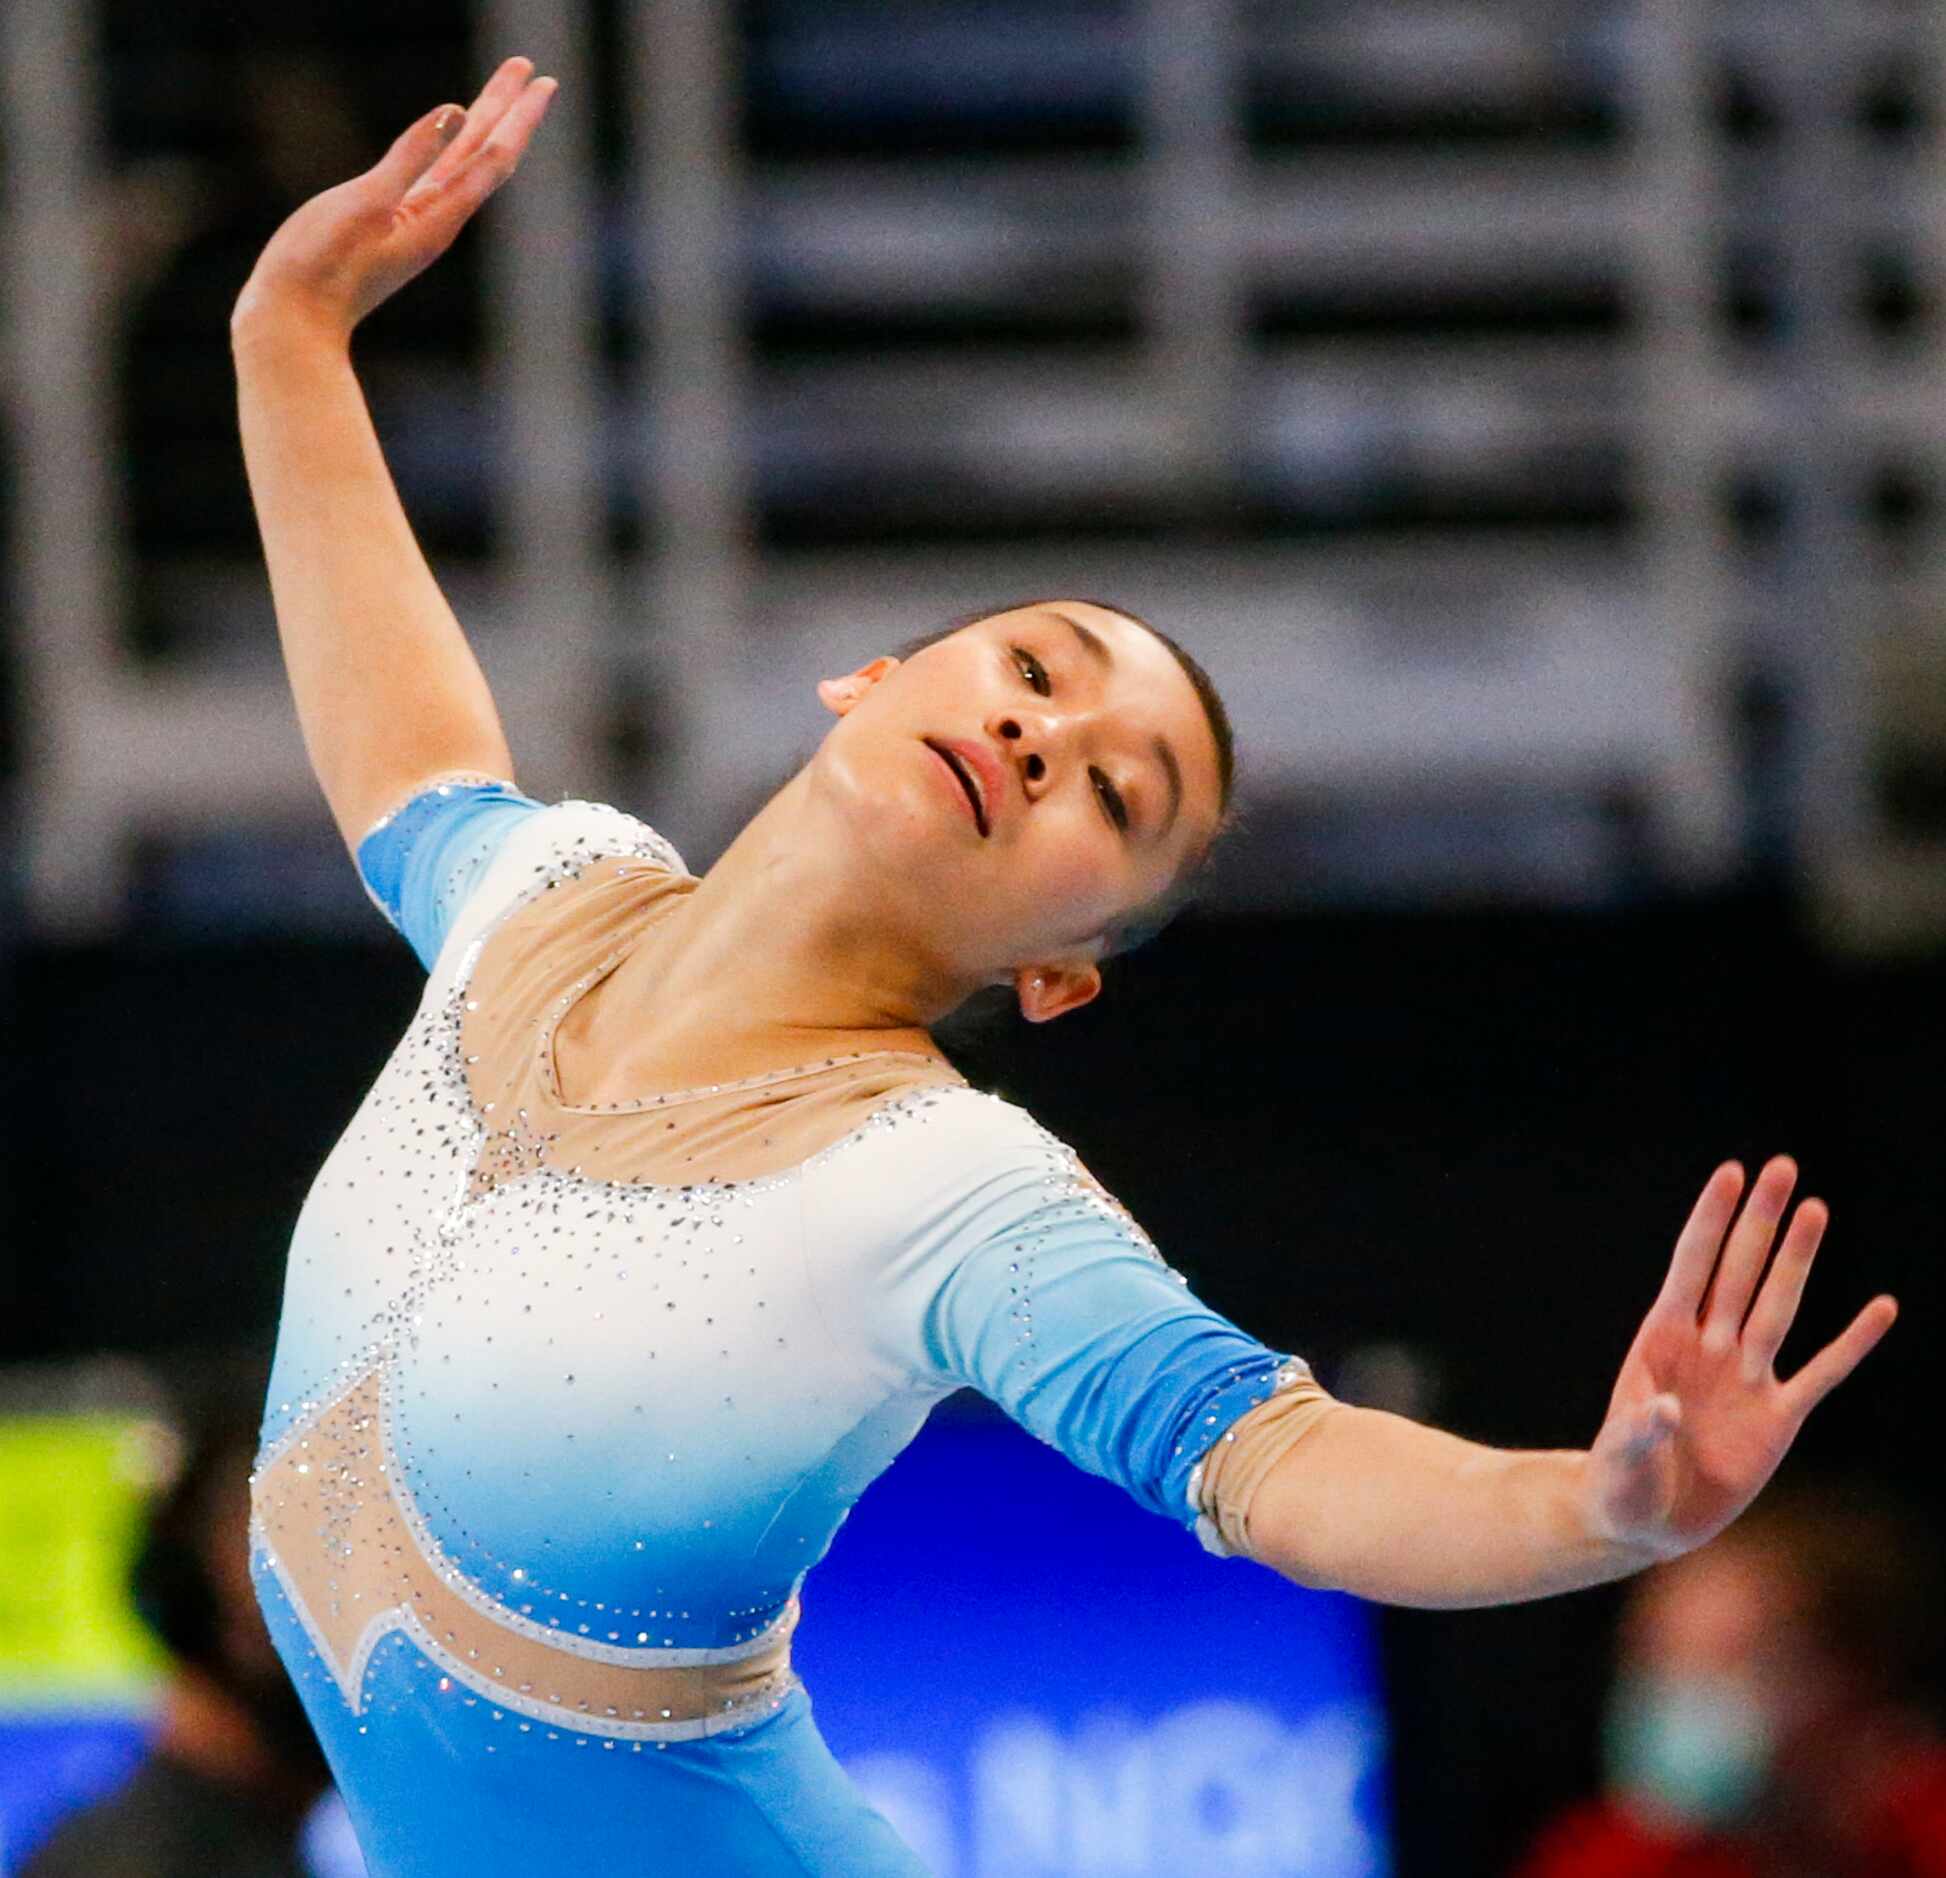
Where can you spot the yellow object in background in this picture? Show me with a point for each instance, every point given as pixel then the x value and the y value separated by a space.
pixel 72 1492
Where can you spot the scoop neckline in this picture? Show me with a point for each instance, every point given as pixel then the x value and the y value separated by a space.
pixel 671 1098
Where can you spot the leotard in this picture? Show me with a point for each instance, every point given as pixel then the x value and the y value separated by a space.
pixel 567 1400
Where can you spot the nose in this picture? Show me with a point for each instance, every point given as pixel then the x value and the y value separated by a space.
pixel 1026 736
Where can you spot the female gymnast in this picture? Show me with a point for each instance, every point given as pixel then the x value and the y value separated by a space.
pixel 667 1222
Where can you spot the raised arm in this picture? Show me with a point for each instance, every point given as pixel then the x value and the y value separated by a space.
pixel 1699 1419
pixel 388 693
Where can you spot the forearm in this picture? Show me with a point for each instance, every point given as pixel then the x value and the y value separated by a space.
pixel 387 690
pixel 1405 1514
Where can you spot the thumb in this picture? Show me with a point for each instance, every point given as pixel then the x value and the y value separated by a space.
pixel 1650 1426
pixel 414 152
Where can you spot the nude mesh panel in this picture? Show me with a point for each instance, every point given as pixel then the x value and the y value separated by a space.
pixel 335 1517
pixel 550 953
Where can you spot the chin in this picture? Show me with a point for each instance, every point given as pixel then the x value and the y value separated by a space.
pixel 889 823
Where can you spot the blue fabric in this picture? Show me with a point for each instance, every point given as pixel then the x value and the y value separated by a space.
pixel 420 864
pixel 1064 1314
pixel 442 1785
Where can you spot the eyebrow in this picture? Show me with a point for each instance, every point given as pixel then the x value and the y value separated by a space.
pixel 1092 643
pixel 1168 757
pixel 1096 648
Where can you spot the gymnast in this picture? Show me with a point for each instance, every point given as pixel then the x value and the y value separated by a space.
pixel 667 1222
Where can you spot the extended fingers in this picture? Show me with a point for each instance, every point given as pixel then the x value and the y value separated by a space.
pixel 516 129
pixel 1698 1244
pixel 412 155
pixel 497 97
pixel 1776 1306
pixel 494 158
pixel 1747 1247
pixel 1825 1371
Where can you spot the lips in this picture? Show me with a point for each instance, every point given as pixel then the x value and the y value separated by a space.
pixel 976 773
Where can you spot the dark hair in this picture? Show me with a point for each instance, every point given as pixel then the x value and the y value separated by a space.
pixel 1141 924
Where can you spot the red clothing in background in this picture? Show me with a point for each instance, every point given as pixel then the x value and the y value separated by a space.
pixel 1903 1837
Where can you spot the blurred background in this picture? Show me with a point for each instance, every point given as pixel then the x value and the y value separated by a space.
pixel 1532 412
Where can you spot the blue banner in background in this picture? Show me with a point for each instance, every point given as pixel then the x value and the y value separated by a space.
pixel 51 1764
pixel 54 1765
pixel 1035 1678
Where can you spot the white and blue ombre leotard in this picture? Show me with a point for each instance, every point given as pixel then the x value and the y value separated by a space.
pixel 567 1400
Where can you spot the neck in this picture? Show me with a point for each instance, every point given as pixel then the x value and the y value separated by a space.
pixel 784 957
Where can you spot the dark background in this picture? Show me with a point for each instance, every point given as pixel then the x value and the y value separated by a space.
pixel 1442 1134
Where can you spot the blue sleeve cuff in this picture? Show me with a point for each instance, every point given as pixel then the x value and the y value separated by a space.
pixel 422 862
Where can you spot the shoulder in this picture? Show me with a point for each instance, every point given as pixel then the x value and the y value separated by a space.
pixel 543 851
pixel 1915 1799
pixel 1601 1838
pixel 950 1136
pixel 556 842
pixel 1010 1147
pixel 460 850
pixel 960 1164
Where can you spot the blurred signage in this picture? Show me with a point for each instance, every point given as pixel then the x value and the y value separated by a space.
pixel 1032 1677
pixel 72 1488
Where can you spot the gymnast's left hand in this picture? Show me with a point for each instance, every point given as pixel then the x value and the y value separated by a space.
pixel 1700 1418
pixel 347 250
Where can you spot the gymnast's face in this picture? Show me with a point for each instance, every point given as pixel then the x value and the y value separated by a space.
pixel 1021 786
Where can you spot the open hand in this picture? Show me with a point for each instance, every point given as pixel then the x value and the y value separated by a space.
pixel 352 247
pixel 1699 1419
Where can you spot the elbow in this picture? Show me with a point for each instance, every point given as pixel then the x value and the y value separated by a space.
pixel 1288 1509
pixel 1305 1566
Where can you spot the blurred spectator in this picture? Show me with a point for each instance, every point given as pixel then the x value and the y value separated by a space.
pixel 233 1783
pixel 1767 1718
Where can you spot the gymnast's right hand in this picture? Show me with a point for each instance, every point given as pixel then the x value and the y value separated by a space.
pixel 349 249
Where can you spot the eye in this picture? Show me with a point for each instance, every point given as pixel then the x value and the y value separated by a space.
pixel 1031 669
pixel 1110 798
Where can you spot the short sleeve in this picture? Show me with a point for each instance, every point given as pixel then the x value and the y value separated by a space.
pixel 460 853
pixel 422 862
pixel 1054 1304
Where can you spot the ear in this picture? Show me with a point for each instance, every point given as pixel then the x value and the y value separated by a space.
pixel 838 695
pixel 1050 991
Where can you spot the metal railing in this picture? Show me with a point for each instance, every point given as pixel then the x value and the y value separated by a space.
pixel 1584 658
